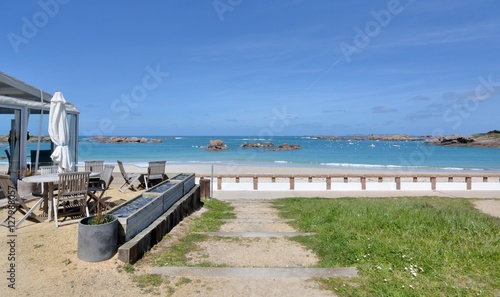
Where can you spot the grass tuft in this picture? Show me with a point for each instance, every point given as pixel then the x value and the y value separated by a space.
pixel 147 280
pixel 402 246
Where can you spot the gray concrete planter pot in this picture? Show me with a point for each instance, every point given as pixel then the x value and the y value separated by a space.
pixel 97 242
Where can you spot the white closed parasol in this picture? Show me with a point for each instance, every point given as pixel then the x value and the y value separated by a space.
pixel 59 133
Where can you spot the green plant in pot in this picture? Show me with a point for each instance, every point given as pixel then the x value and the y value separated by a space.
pixel 101 217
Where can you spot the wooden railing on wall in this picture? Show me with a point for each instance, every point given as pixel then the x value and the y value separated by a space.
pixel 362 179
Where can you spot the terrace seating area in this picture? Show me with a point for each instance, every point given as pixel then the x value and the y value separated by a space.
pixel 79 194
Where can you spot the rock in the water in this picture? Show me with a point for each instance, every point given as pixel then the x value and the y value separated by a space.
pixel 287 147
pixel 257 144
pixel 216 145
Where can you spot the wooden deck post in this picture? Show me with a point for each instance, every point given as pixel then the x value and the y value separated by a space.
pixel 433 183
pixel 273 179
pixel 219 183
pixel 485 179
pixel 328 183
pixel 292 183
pixel 415 179
pixel 468 180
pixel 346 179
pixel 255 182
pixel 309 179
pixel 380 179
pixel 397 180
pixel 363 182
pixel 450 179
pixel 237 179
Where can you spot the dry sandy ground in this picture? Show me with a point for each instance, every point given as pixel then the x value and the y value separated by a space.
pixel 46 262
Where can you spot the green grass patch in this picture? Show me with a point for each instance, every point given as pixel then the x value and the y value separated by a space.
pixel 210 221
pixel 402 246
pixel 491 134
pixel 129 268
pixel 147 280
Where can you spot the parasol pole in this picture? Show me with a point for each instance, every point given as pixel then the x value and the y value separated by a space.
pixel 39 132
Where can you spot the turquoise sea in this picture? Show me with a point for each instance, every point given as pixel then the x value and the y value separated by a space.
pixel 353 154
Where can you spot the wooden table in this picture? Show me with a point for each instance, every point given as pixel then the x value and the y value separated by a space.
pixel 48 181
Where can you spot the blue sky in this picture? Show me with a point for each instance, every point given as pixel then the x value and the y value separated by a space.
pixel 240 67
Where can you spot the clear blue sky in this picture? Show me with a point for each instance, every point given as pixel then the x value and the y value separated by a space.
pixel 241 67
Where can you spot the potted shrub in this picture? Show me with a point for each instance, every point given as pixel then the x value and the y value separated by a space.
pixel 97 236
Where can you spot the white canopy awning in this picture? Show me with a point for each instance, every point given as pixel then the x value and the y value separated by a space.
pixel 19 99
pixel 31 104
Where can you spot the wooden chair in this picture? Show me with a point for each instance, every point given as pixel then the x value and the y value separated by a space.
pixel 102 186
pixel 71 198
pixel 129 178
pixel 156 173
pixel 94 166
pixel 17 204
pixel 46 170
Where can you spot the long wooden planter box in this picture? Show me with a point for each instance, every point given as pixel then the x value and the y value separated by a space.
pixel 154 201
pixel 169 191
pixel 132 223
pixel 187 180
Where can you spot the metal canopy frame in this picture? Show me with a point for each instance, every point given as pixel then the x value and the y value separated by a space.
pixel 21 100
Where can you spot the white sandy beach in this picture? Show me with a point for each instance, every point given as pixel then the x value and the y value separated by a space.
pixel 318 184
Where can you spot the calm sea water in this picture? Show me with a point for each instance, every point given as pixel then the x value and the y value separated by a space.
pixel 413 155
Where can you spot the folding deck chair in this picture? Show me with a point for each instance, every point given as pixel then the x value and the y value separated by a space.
pixel 18 204
pixel 102 186
pixel 156 173
pixel 129 178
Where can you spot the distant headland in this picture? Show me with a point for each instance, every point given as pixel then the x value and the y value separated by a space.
pixel 488 139
pixel 385 137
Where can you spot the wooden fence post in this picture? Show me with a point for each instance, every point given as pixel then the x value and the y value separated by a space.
pixel 363 182
pixel 433 183
pixel 397 179
pixel 255 182
pixel 219 183
pixel 450 179
pixel 328 183
pixel 346 179
pixel 468 180
pixel 292 183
